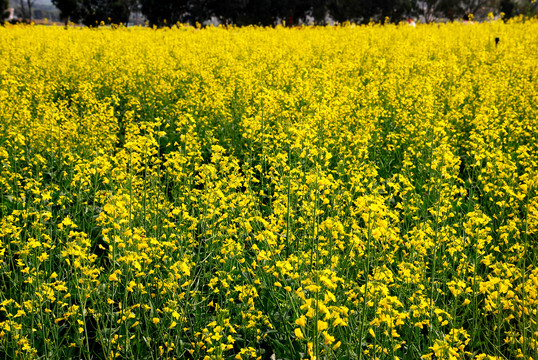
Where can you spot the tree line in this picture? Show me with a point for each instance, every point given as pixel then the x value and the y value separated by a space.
pixel 270 12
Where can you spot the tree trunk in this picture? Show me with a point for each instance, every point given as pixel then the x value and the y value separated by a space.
pixel 29 2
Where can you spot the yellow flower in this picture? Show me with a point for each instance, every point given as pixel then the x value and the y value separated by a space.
pixel 298 333
pixel 322 325
pixel 328 339
pixel 301 321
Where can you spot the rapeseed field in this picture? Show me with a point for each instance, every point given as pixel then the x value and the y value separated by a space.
pixel 314 192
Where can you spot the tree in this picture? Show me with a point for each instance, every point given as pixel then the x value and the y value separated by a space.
pixel 118 11
pixel 69 9
pixel 199 10
pixel 291 11
pixel 267 12
pixel 319 11
pixel 345 10
pixel 527 7
pixel 472 6
pixel 363 11
pixel 133 6
pixel 4 5
pixel 435 9
pixel 95 12
pixel 395 10
pixel 507 7
pixel 165 13
pixel 25 8
pixel 229 11
pixel 258 12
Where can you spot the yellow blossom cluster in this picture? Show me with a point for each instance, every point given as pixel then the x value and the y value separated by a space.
pixel 339 192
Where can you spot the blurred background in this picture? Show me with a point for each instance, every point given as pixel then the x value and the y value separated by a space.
pixel 259 12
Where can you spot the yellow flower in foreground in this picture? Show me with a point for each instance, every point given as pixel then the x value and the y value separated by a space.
pixel 328 338
pixel 322 325
pixel 301 321
pixel 155 320
pixel 298 333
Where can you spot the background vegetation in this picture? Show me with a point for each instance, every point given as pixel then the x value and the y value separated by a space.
pixel 268 12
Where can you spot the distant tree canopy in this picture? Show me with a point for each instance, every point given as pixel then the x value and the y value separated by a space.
pixel 269 12
pixel 4 5
pixel 94 12
pixel 165 12
pixel 69 9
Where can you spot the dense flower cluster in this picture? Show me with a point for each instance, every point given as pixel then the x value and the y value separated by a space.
pixel 316 192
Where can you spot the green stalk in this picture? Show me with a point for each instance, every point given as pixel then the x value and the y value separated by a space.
pixel 366 278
